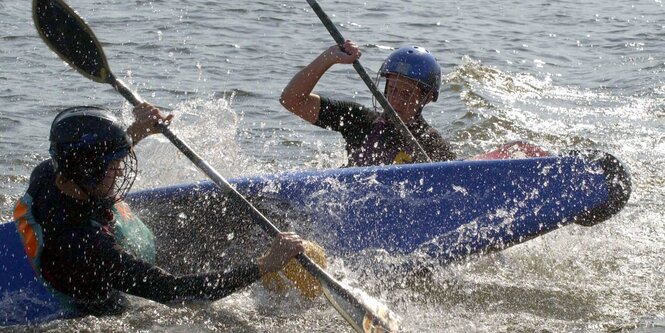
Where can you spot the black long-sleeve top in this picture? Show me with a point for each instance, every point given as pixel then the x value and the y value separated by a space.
pixel 83 259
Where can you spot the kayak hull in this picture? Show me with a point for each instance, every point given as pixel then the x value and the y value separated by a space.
pixel 448 210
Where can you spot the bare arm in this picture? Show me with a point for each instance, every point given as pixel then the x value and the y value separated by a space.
pixel 298 98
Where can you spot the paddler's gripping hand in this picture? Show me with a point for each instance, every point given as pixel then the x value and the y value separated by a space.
pixel 346 53
pixel 286 246
pixel 298 276
pixel 146 119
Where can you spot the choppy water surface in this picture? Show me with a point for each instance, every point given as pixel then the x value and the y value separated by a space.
pixel 564 74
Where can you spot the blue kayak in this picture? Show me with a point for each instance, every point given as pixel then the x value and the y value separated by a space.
pixel 463 207
pixel 449 210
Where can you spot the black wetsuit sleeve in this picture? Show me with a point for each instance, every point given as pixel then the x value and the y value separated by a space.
pixel 101 261
pixel 354 121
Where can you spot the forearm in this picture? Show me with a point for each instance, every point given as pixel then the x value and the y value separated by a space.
pixel 144 280
pixel 110 266
pixel 166 288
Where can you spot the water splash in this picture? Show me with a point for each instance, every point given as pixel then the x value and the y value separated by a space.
pixel 210 128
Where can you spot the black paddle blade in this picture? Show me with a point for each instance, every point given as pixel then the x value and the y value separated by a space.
pixel 65 32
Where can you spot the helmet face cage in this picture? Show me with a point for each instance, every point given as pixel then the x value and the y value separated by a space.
pixel 125 171
pixel 404 98
pixel 93 173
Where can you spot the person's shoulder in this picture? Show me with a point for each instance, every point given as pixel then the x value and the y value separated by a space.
pixel 424 130
pixel 45 169
pixel 436 145
pixel 341 104
pixel 42 175
pixel 433 133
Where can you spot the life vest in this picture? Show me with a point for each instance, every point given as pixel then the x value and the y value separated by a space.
pixel 33 244
pixel 134 236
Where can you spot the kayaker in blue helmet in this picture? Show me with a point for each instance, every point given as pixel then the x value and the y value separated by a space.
pixel 83 240
pixel 412 79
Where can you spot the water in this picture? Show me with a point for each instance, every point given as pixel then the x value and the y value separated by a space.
pixel 564 74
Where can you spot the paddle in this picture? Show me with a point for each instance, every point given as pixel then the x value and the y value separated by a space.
pixel 71 38
pixel 420 153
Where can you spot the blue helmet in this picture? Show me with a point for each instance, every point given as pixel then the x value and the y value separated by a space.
pixel 417 64
pixel 84 142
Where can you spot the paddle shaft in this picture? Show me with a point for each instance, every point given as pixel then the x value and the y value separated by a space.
pixel 61 28
pixel 225 186
pixel 419 153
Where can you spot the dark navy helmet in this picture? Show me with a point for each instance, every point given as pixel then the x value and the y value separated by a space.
pixel 415 63
pixel 86 141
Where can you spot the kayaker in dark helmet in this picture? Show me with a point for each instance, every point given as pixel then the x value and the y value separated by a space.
pixel 412 79
pixel 83 240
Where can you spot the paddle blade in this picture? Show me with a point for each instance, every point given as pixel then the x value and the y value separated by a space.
pixel 364 313
pixel 65 32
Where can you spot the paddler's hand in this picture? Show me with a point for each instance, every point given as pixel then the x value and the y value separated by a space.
pixel 146 119
pixel 285 247
pixel 344 54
